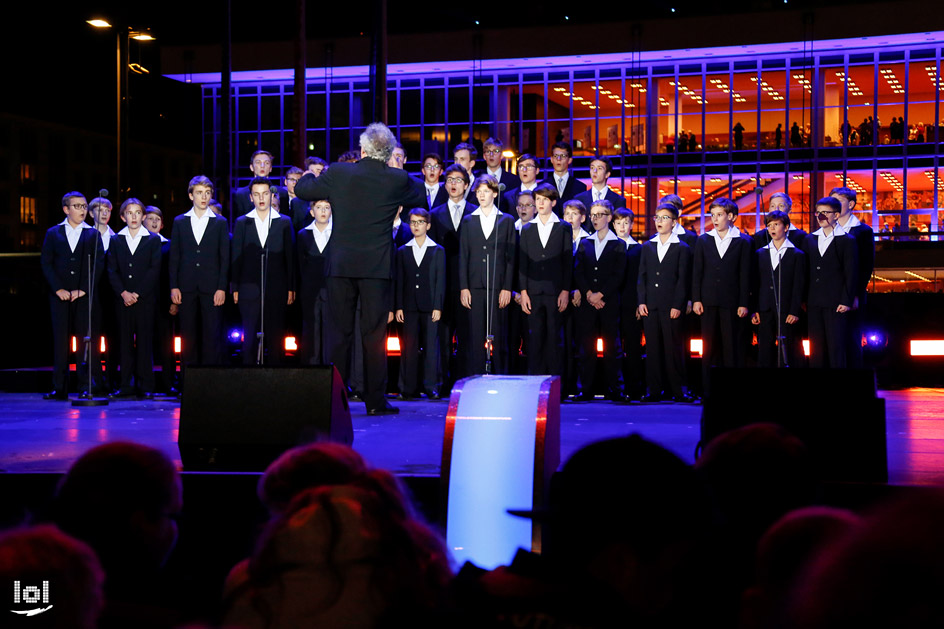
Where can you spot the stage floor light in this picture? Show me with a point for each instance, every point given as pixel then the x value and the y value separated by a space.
pixel 927 347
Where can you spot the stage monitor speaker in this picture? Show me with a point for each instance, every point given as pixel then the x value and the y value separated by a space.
pixel 243 418
pixel 835 412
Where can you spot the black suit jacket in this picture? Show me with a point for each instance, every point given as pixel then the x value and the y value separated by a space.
pixel 364 199
pixel 545 270
pixel 445 235
pixel 865 249
pixel 310 266
pixel 300 213
pixel 509 181
pixel 204 267
pixel 66 269
pixel 789 278
pixel 664 284
pixel 604 275
pixel 629 295
pixel 139 272
pixel 832 276
pixel 509 201
pixel 441 196
pixel 722 282
pixel 571 190
pixel 421 288
pixel 247 255
pixel 587 199
pixel 475 249
pixel 242 200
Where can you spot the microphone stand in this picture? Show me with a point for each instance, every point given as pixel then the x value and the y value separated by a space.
pixel 88 399
pixel 264 266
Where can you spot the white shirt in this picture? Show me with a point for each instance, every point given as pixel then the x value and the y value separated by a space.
pixel 823 241
pixel 544 229
pixel 723 243
pixel 74 233
pixel 630 241
pixel 561 181
pixel 678 230
pixel 663 248
pixel 262 225
pixel 600 245
pixel 106 238
pixel 776 255
pixel 420 250
pixel 396 226
pixel 199 225
pixel 852 222
pixel 159 235
pixel 497 173
pixel 598 195
pixel 456 210
pixel 133 241
pixel 530 186
pixel 431 192
pixel 487 222
pixel 321 237
pixel 581 234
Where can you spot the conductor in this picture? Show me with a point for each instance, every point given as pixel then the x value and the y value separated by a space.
pixel 364 196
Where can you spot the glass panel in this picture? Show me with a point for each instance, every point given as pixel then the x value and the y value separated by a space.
pixel 773 88
pixel 801 90
pixel 744 92
pixel 458 104
pixel 665 120
pixel 340 110
pixel 533 106
pixel 717 112
pixel 691 191
pixel 743 193
pixel 248 118
pixel 410 139
pixel 434 106
pixel 340 142
pixel 635 109
pixel 690 104
pixel 798 189
pixel 860 88
pixel 409 106
pixel 316 144
pixel 271 118
pixel 558 100
pixel 434 141
pixel 584 99
pixel 610 110
pixel 889 191
pixel 635 194
pixel 361 107
pixel 833 88
pixel 891 102
pixel 316 111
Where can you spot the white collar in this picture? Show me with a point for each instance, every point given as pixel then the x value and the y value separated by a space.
pixel 837 231
pixel 552 218
pixel 610 235
pixel 126 231
pixel 495 212
pixel 193 214
pixel 312 226
pixel 273 213
pixel 786 245
pixel 678 229
pixel 497 173
pixel 672 238
pixel 82 225
pixel 426 244
pixel 629 240
pixel 852 222
pixel 731 233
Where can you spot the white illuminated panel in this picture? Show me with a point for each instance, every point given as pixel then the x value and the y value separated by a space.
pixel 696 346
pixel 927 348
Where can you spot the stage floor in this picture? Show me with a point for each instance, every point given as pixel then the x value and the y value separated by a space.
pixel 45 436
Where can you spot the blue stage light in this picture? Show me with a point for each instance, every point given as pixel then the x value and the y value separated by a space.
pixel 875 339
pixel 235 335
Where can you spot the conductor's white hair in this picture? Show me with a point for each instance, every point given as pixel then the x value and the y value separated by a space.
pixel 378 142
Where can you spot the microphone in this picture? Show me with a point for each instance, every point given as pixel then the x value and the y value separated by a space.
pixel 103 192
pixel 501 187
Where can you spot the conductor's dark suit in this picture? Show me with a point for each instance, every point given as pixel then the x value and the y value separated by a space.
pixel 198 270
pixel 140 273
pixel 364 199
pixel 544 271
pixel 248 257
pixel 65 269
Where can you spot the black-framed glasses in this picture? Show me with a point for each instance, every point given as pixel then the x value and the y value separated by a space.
pixel 559 156
pixel 417 223
pixel 527 167
pixel 455 180
pixel 661 218
pixel 432 167
pixel 599 215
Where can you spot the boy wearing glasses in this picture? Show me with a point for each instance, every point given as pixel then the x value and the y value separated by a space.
pixel 630 326
pixel 420 293
pixel 833 274
pixel 297 210
pixel 721 286
pixel 561 178
pixel 599 270
pixel 492 152
pixel 528 174
pixel 865 249
pixel 445 228
pixel 664 272
pixel 65 263
pixel 464 155
pixel 436 193
pixel 600 169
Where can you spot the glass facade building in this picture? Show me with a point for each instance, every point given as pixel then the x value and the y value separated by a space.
pixel 738 121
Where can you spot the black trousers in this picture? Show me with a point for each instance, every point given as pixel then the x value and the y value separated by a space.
pixel 473 332
pixel 70 318
pixel 665 352
pixel 274 332
pixel 854 356
pixel 593 324
pixel 136 336
pixel 419 330
pixel 164 325
pixel 828 340
pixel 545 336
pixel 631 342
pixel 343 293
pixel 201 330
pixel 768 350
pixel 315 329
pixel 721 335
